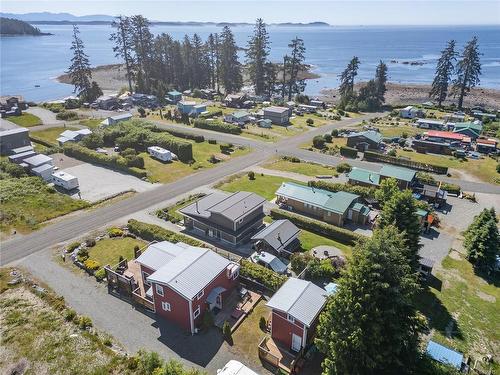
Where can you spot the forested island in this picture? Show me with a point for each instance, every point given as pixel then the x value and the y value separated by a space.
pixel 11 26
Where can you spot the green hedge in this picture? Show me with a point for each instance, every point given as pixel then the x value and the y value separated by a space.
pixel 365 192
pixel 348 152
pixel 263 275
pixel 323 229
pixel 42 141
pixel 211 114
pixel 151 232
pixel 180 134
pixel 115 162
pixel 217 126
pixel 375 156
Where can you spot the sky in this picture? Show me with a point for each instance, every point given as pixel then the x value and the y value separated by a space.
pixel 335 12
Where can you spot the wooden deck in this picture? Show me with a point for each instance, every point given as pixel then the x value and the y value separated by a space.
pixel 273 353
pixel 235 309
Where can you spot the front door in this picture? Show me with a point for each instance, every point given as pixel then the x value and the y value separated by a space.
pixel 349 214
pixel 296 342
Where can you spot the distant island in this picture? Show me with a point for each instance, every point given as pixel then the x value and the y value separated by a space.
pixel 11 26
pixel 47 18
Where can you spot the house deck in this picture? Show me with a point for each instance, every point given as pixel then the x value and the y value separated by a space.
pixel 236 308
pixel 275 354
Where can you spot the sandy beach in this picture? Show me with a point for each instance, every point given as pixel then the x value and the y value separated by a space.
pixel 403 94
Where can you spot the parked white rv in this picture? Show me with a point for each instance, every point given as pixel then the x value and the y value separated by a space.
pixel 65 180
pixel 160 153
pixel 235 368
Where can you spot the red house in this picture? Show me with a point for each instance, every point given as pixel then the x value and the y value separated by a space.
pixel 295 309
pixel 185 281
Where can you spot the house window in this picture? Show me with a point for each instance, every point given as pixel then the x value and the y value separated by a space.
pixel 159 290
pixel 197 312
pixel 290 318
pixel 166 306
pixel 145 278
pixel 236 274
pixel 199 295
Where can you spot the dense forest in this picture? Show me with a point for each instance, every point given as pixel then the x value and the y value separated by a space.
pixel 10 26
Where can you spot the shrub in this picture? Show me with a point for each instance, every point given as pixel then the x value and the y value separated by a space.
pixel 392 152
pixel 323 229
pixel 299 261
pixel 263 275
pixel 310 122
pixel 226 148
pixel 90 242
pixel 263 324
pixel 251 175
pixel 349 152
pixel 217 126
pixel 142 112
pixel 90 156
pixel 12 169
pixel 69 315
pixel 82 255
pixel 226 331
pixel 325 268
pixel 498 168
pixel 100 274
pixel 344 168
pixel 211 114
pixel 319 142
pixel 84 322
pixel 212 141
pixel 91 265
pixel 93 141
pixel 107 342
pixel 375 156
pixel 292 159
pixel 328 138
pixel 178 133
pixel 151 232
pixel 208 320
pixel 67 116
pixel 72 247
pixel 115 232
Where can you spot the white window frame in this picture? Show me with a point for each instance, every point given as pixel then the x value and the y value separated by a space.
pixel 290 318
pixel 166 306
pixel 235 274
pixel 200 294
pixel 159 290
pixel 145 276
pixel 196 313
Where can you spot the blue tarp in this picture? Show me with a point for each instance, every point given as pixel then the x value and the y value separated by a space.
pixel 444 355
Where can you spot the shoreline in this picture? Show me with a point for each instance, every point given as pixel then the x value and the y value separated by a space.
pixel 412 93
pixel 112 78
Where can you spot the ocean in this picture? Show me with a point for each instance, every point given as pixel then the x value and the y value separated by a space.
pixel 28 61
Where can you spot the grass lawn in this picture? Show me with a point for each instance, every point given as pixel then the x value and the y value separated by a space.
pixel 483 169
pixel 264 186
pixel 28 201
pixel 310 240
pixel 305 168
pixel 26 120
pixel 33 330
pixel 472 302
pixel 172 210
pixel 91 123
pixel 168 172
pixel 51 134
pixel 247 336
pixel 108 250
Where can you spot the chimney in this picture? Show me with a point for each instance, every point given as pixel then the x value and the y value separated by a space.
pixel 197 207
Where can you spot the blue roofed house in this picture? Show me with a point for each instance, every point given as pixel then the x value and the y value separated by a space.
pixel 174 97
pixel 367 140
pixel 333 208
pixel 363 177
pixel 191 108
pixel 239 117
pixel 404 176
pixel 445 355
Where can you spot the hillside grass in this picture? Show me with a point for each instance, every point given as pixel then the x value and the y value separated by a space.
pixel 26 120
pixel 27 202
pixel 51 134
pixel 471 302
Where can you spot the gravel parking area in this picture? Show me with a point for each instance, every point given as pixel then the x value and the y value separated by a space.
pixel 97 183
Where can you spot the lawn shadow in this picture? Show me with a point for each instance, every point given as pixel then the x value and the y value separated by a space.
pixel 439 318
pixel 492 278
pixel 200 348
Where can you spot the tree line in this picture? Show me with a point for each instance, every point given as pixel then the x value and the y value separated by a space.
pixel 462 73
pixel 155 64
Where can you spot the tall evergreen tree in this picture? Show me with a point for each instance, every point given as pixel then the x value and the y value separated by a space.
pixel 444 71
pixel 142 41
pixel 256 54
pixel 482 240
pixel 293 66
pixel 270 79
pixel 368 98
pixel 370 326
pixel 230 68
pixel 381 81
pixel 346 88
pixel 468 71
pixel 212 48
pixel 79 70
pixel 401 211
pixel 123 45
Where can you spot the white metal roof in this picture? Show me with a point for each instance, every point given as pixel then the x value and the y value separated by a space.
pixel 38 159
pixel 157 254
pixel 63 176
pixel 235 368
pixel 186 269
pixel 299 298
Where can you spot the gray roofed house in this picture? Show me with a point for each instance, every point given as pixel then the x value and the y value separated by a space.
pixel 232 218
pixel 363 141
pixel 278 115
pixel 280 237
pixel 37 160
pixel 12 139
